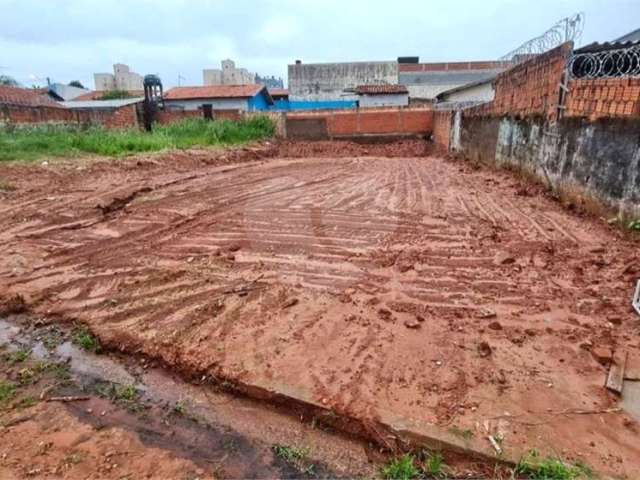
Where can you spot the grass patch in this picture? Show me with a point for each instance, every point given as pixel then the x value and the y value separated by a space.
pixel 536 467
pixel 295 456
pixel 402 468
pixel 57 141
pixel 18 356
pixel 7 392
pixel 83 338
pixel 126 396
pixel 634 225
pixel 425 465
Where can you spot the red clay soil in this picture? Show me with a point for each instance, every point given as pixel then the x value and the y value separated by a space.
pixel 415 285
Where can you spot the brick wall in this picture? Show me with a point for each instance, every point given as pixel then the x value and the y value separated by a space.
pixel 123 117
pixel 169 116
pixel 442 128
pixel 354 123
pixel 532 87
pixel 603 97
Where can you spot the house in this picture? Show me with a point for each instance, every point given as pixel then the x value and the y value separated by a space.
pixel 426 80
pixel 26 97
pixel 382 96
pixel 472 93
pixel 246 98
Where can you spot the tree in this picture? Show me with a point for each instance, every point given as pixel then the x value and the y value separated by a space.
pixel 76 83
pixel 8 81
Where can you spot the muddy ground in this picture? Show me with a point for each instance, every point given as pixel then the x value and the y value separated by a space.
pixel 370 279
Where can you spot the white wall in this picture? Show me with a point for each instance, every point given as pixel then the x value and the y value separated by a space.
pixel 216 104
pixel 396 100
pixel 481 93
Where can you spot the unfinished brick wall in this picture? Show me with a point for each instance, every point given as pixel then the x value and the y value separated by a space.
pixel 123 117
pixel 603 97
pixel 17 114
pixel 169 116
pixel 532 87
pixel 354 123
pixel 442 128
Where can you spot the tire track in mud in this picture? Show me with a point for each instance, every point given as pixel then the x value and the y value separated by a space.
pixel 201 270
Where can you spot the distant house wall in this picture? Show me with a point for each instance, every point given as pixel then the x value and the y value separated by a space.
pixel 216 103
pixel 327 81
pixel 481 93
pixel 384 100
pixel 427 80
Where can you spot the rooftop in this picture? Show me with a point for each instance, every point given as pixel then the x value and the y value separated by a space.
pixel 383 89
pixel 279 92
pixel 213 91
pixel 26 97
pixel 97 104
pixel 97 95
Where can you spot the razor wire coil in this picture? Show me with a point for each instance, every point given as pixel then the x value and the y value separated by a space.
pixel 621 62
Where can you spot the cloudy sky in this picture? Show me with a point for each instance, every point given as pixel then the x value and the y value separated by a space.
pixel 71 39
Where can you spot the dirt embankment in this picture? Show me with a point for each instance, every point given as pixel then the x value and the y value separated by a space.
pixel 412 285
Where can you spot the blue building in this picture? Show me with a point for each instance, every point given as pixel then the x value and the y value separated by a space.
pixel 282 103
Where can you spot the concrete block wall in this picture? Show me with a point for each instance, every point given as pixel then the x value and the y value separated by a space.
pixel 603 97
pixel 360 123
pixel 442 120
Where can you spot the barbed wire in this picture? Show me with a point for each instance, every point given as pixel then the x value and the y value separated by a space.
pixel 608 63
pixel 565 30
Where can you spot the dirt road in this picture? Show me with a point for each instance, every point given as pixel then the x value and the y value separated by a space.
pixel 415 285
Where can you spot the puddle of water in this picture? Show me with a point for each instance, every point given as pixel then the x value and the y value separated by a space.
pixel 255 427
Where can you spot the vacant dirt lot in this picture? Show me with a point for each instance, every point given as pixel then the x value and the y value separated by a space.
pixel 414 285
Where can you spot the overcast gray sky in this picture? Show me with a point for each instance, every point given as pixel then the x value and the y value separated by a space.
pixel 71 39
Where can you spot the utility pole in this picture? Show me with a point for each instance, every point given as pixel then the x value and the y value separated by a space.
pixel 180 77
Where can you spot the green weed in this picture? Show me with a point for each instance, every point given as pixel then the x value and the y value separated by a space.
pixel 295 456
pixel 85 340
pixel 536 467
pixel 402 468
pixel 7 392
pixel 634 225
pixel 18 356
pixel 433 465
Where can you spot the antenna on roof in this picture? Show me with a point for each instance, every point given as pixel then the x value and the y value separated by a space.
pixel 180 77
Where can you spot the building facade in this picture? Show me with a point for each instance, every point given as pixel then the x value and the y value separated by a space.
pixel 426 80
pixel 122 78
pixel 228 75
pixel 328 81
pixel 370 96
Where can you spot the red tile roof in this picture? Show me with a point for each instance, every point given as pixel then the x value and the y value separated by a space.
pixel 213 91
pixel 27 97
pixel 97 95
pixel 279 92
pixel 380 89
